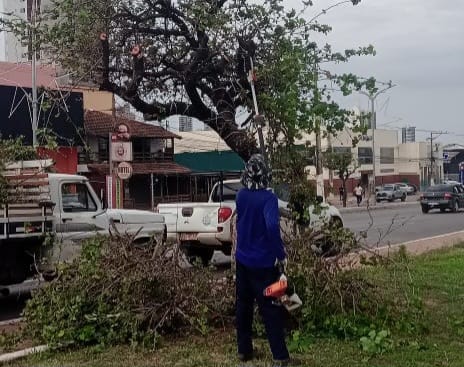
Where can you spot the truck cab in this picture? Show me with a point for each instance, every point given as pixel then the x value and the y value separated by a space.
pixel 64 208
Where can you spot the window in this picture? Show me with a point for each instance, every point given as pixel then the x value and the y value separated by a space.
pixel 387 155
pixel 365 155
pixel 103 150
pixel 341 150
pixel 76 198
pixel 229 192
pixel 142 149
pixel 22 10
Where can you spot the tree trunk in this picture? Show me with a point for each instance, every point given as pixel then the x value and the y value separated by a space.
pixel 344 193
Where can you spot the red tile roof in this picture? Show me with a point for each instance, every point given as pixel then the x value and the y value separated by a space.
pixel 101 124
pixel 159 168
pixel 20 75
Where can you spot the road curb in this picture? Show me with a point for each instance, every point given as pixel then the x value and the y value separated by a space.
pixel 377 207
pixel 414 247
pixel 8 357
pixel 11 321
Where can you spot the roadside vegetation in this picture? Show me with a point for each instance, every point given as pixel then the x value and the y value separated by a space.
pixel 400 311
pixel 418 322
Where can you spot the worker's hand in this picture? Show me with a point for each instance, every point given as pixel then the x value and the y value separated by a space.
pixel 281 265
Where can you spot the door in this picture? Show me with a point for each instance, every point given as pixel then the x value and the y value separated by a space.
pixel 78 218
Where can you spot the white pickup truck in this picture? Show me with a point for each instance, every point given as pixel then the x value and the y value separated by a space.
pixel 64 207
pixel 202 228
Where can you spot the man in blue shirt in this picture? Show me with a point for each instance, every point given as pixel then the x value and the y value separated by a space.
pixel 259 249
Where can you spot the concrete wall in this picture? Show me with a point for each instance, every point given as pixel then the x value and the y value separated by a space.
pixel 97 100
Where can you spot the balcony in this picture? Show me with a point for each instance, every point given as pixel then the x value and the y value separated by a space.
pixel 365 160
pixel 102 157
pixel 152 156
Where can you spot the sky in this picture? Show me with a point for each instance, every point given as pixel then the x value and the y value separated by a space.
pixel 420 48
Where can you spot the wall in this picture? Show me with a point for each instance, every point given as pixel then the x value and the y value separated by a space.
pixel 97 100
pixel 156 145
pixel 65 158
pixel 380 180
pixel 344 138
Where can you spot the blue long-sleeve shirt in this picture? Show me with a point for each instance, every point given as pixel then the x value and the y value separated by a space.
pixel 258 229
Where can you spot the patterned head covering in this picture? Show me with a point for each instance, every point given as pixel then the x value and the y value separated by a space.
pixel 256 175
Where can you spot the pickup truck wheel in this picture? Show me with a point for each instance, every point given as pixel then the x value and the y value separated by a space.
pixel 336 222
pixel 425 209
pixel 204 254
pixel 227 250
pixel 49 275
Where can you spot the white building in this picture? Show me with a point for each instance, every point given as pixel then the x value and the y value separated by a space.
pixel 394 162
pixel 415 158
pixel 386 142
pixel 185 123
pixel 11 48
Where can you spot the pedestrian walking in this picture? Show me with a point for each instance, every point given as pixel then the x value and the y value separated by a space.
pixel 341 191
pixel 259 250
pixel 358 192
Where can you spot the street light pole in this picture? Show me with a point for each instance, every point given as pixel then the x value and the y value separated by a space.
pixel 372 97
pixel 35 101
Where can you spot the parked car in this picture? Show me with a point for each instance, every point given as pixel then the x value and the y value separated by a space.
pixel 390 193
pixel 201 228
pixel 442 197
pixel 415 188
pixel 408 189
pixel 451 182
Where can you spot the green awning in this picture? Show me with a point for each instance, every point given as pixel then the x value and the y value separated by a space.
pixel 214 161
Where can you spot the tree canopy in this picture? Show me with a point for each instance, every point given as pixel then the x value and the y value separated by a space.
pixel 193 58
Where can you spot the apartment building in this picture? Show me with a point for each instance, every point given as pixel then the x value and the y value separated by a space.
pixel 13 49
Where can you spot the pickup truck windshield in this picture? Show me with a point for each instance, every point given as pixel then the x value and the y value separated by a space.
pixel 387 188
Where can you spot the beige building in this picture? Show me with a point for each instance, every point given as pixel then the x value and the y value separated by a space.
pixel 394 162
pixel 416 158
pixel 386 154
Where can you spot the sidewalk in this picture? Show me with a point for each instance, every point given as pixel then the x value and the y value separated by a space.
pixel 351 205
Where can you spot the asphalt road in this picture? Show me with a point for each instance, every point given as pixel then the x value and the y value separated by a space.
pixel 397 225
pixel 12 305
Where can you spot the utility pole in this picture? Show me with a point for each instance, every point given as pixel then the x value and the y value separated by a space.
pixel 372 97
pixel 329 148
pixel 35 101
pixel 319 169
pixel 432 158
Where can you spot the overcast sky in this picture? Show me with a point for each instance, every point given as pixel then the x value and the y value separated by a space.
pixel 420 48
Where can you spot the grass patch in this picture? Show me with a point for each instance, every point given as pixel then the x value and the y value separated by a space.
pixel 438 276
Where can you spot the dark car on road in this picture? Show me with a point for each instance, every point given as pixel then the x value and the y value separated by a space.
pixel 442 197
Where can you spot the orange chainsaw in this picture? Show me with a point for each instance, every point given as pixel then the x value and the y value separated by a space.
pixel 280 291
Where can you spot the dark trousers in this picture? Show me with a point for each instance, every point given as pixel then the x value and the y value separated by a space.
pixel 250 283
pixel 359 199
